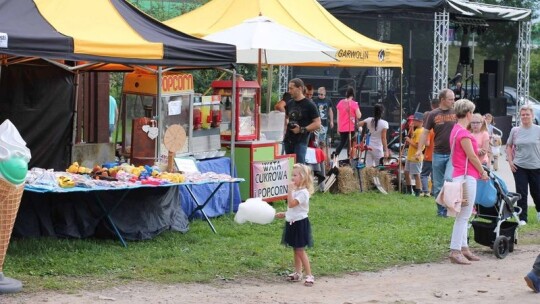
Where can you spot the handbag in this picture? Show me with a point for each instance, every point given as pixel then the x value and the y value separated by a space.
pixel 486 194
pixel 453 194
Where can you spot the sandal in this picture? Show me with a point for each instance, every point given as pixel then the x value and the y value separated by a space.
pixel 310 280
pixel 294 277
pixel 456 257
pixel 469 255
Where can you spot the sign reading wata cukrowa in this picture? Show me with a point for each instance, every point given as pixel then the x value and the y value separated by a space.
pixel 270 178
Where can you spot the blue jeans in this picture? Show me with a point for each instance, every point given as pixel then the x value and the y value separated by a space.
pixel 425 175
pixel 298 148
pixel 527 179
pixel 441 170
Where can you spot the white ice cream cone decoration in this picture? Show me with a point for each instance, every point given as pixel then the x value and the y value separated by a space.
pixel 14 158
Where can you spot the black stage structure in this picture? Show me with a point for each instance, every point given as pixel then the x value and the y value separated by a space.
pixel 412 24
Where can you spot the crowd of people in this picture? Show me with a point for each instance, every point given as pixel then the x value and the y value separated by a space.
pixel 450 142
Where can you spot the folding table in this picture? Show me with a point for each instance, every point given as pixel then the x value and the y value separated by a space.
pixel 199 206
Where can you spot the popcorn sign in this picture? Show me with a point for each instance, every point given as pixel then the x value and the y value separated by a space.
pixel 270 178
pixel 3 40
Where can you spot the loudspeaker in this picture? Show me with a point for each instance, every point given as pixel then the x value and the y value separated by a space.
pixel 487 86
pixel 494 105
pixel 496 67
pixel 498 106
pixel 465 55
pixel 422 85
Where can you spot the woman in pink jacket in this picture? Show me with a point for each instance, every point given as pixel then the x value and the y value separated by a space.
pixel 348 113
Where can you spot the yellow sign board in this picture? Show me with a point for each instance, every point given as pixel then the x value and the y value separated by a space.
pixel 146 84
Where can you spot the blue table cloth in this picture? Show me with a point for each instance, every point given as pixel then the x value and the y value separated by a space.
pixel 220 202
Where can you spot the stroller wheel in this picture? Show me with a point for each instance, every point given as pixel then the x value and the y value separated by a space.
pixel 501 247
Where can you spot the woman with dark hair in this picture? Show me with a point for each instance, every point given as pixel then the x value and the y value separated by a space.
pixel 348 112
pixel 377 142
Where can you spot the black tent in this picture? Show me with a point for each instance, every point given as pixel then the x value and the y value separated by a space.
pixel 456 7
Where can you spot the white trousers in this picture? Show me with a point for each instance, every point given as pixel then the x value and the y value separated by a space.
pixel 373 157
pixel 459 233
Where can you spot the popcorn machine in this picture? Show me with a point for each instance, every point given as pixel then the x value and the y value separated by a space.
pixel 247 109
pixel 181 122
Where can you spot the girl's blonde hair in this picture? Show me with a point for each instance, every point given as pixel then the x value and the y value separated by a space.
pixel 483 126
pixel 306 177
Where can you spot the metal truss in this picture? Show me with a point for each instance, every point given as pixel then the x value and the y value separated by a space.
pixel 283 79
pixel 383 34
pixel 440 52
pixel 524 63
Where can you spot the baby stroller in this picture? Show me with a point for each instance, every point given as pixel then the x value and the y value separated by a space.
pixel 498 232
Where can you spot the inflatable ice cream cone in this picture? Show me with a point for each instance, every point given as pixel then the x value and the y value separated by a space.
pixel 14 158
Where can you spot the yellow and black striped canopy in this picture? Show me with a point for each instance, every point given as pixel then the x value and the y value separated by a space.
pixel 110 31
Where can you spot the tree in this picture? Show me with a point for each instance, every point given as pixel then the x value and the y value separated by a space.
pixel 164 10
pixel 534 77
pixel 499 41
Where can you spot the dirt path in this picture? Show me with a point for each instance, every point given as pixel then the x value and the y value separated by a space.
pixel 489 281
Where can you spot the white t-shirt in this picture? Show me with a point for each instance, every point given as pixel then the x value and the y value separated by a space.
pixel 299 212
pixel 375 140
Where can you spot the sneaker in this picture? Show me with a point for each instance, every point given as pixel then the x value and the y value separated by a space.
pixel 522 223
pixel 533 281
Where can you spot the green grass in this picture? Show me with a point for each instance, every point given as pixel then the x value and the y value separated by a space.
pixel 357 232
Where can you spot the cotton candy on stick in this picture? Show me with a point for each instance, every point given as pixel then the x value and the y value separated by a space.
pixel 255 210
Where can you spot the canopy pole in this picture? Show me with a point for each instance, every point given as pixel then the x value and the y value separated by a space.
pixel 233 136
pixel 270 77
pixel 158 111
pixel 259 97
pixel 75 110
pixel 259 68
pixel 400 133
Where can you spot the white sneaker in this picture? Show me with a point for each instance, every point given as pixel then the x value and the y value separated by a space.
pixel 522 223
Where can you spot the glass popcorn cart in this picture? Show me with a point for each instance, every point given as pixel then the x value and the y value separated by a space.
pixel 179 124
pixel 247 109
